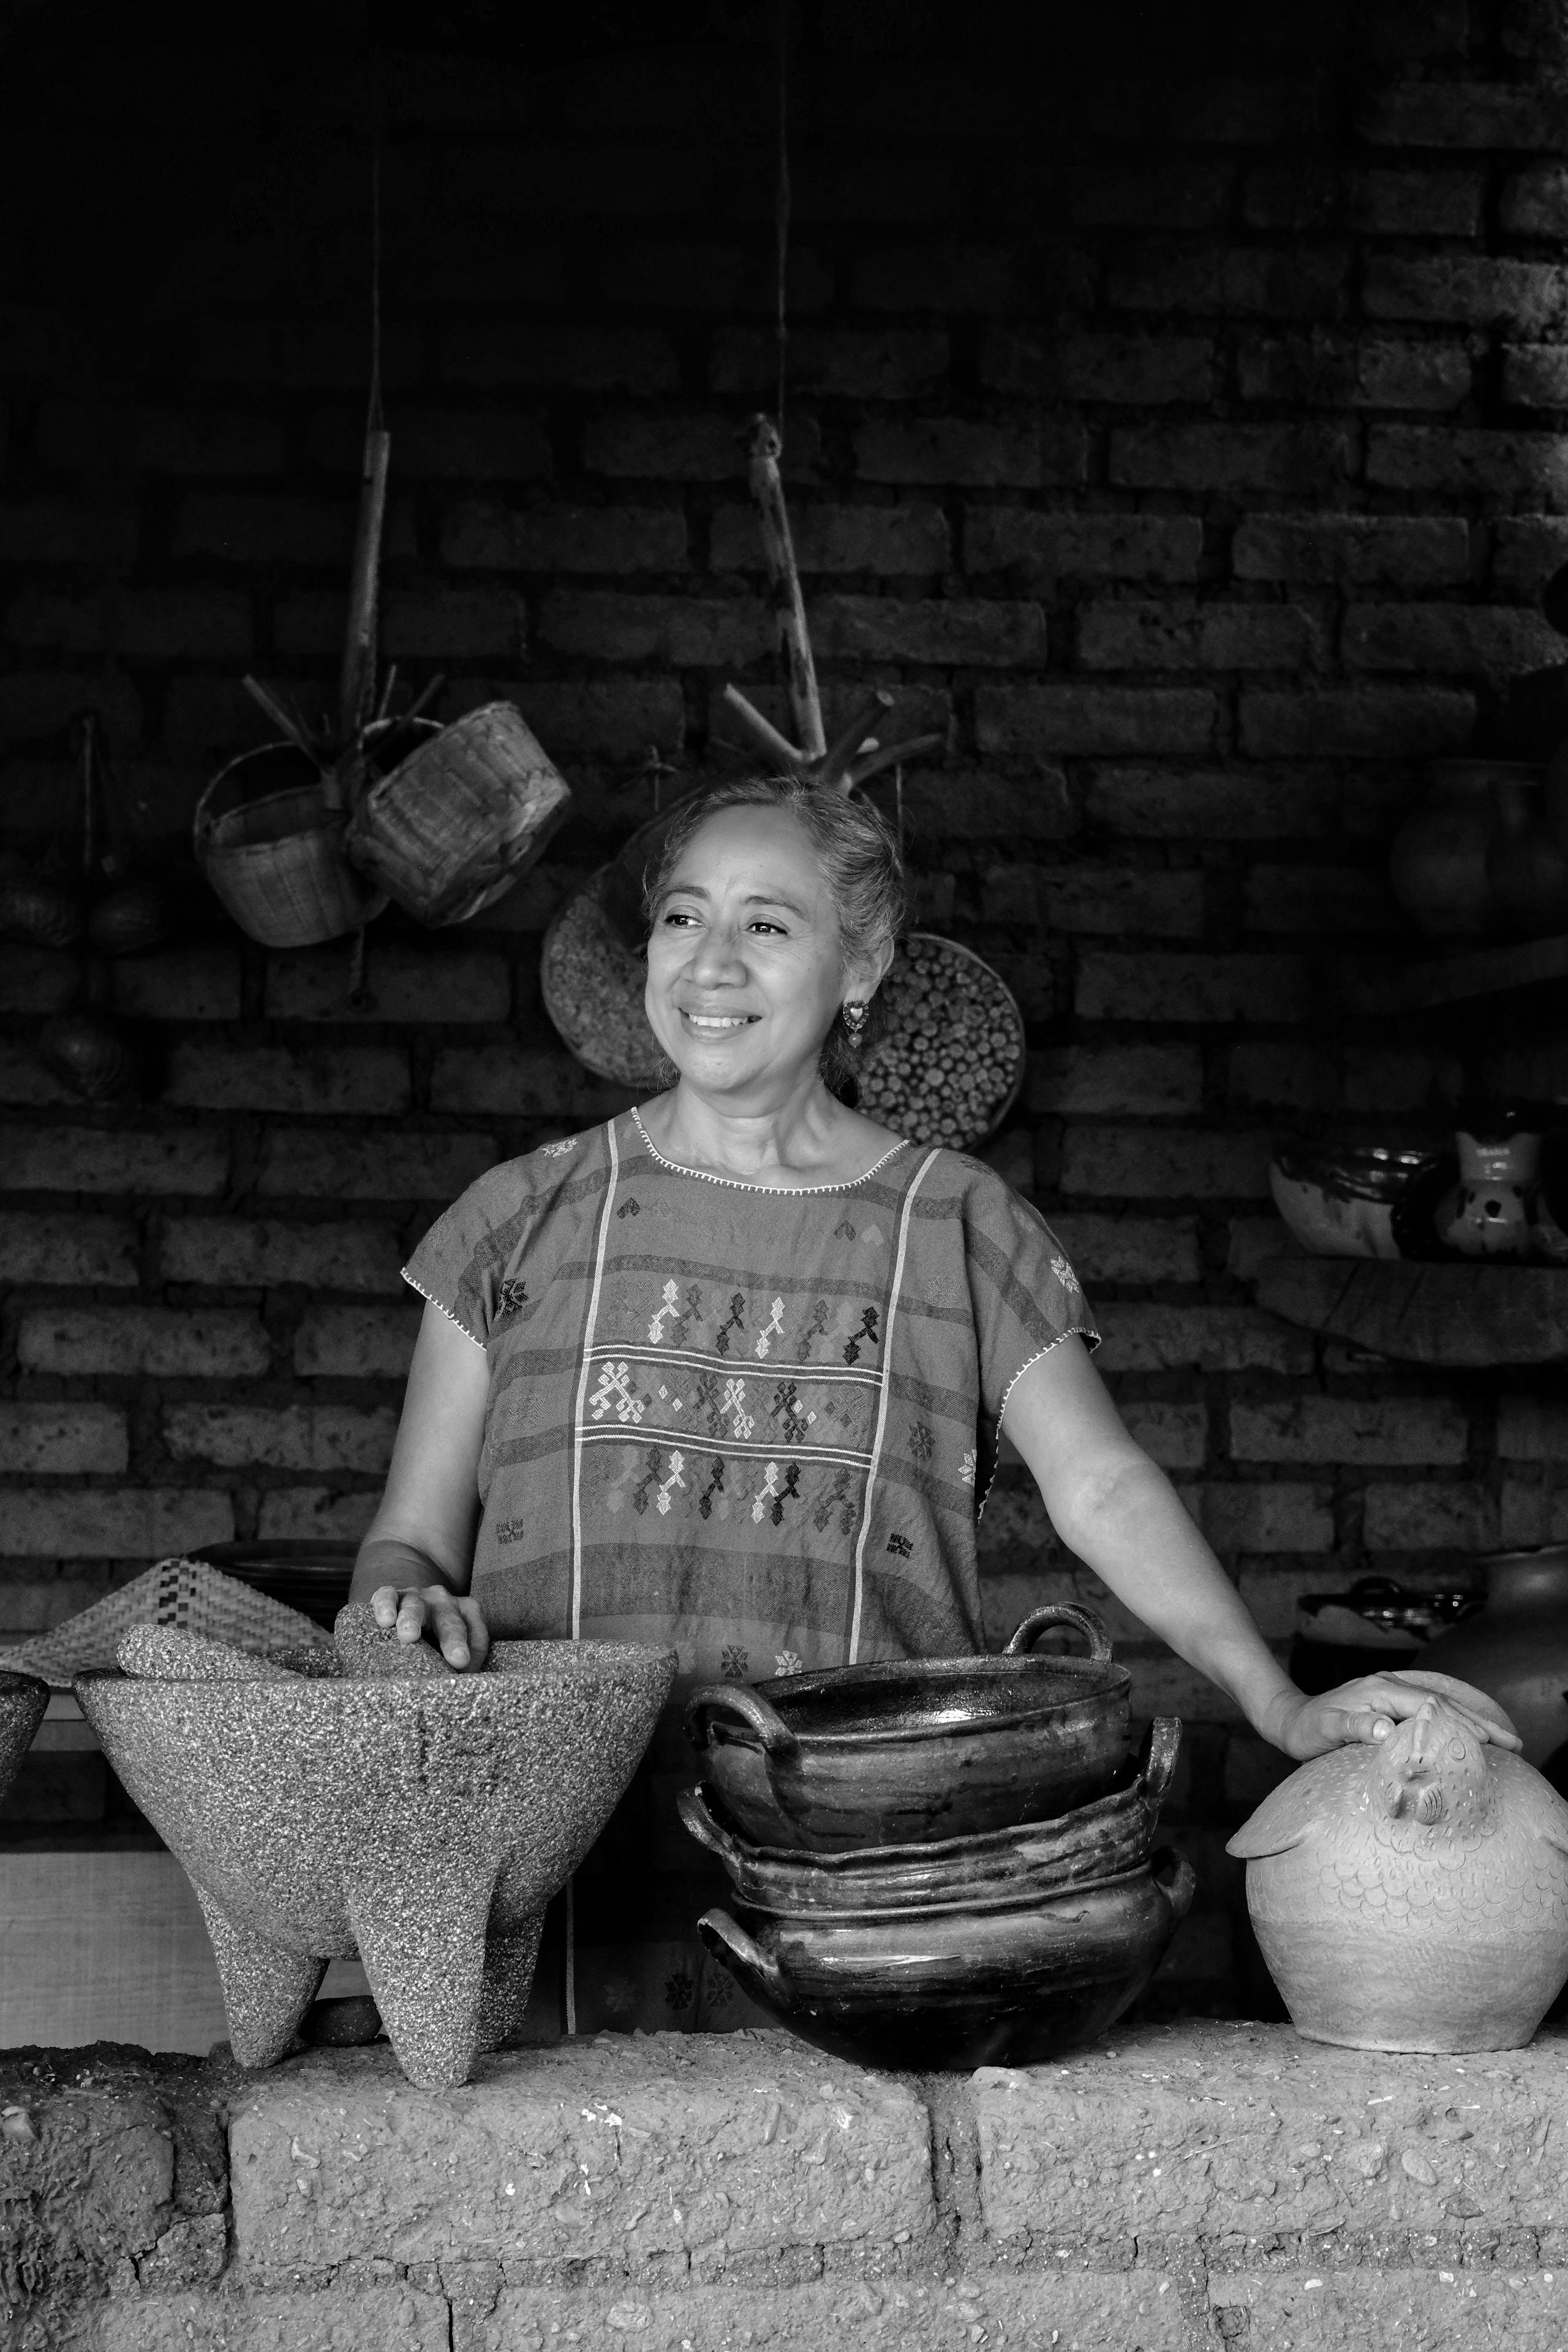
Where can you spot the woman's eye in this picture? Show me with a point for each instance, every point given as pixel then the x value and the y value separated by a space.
pixel 763 924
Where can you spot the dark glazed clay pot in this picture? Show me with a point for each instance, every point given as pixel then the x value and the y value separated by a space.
pixel 956 1988
pixel 1516 1647
pixel 915 1749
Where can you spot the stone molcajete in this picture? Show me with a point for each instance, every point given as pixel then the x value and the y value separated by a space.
pixel 1413 1894
pixel 23 1699
pixel 421 1820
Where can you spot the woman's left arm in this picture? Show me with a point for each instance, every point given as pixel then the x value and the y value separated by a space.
pixel 1120 1513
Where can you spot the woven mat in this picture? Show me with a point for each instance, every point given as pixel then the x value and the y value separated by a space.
pixel 183 1592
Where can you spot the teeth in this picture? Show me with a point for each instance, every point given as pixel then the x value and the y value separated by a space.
pixel 717 1021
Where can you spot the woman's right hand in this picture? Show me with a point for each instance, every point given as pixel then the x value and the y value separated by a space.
pixel 455 1621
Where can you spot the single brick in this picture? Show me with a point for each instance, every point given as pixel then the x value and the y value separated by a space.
pixel 181 984
pixel 1493 640
pixel 946 276
pixel 1191 987
pixel 356 1342
pixel 1164 805
pixel 841 364
pixel 1190 194
pixel 1254 1243
pixel 1035 722
pixel 1279 1517
pixel 471 623
pixel 259 1252
pixel 339 1081
pixel 890 540
pixel 1306 460
pixel 37 979
pixel 312 1515
pixel 1322 899
pixel 348 2318
pixel 1419 204
pixel 1484 114
pixel 112 1159
pixel 1230 281
pixel 1111 898
pixel 1154 1081
pixel 402 983
pixel 62 1438
pixel 1324 2309
pixel 64 1248
pixel 1132 1250
pixel 1535 203
pixel 684 631
pixel 607 718
pixel 288 1437
pixel 305 1162
pixel 1382 1431
pixel 512 1082
pixel 1397 722
pixel 1521 469
pixel 1184 635
pixel 1281 1076
pixel 1165 1163
pixel 973 804
pixel 1050 452
pixel 171 1343
pixel 497 352
pixel 1137 370
pixel 1324 372
pixel 750 2120
pixel 488 536
pixel 976 631
pixel 1148 1339
pixel 1430 1518
pixel 703 447
pixel 142 1524
pixel 492 445
pixel 1535 376
pixel 1051 546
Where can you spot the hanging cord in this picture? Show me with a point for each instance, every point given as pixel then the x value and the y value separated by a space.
pixel 781 207
pixel 375 421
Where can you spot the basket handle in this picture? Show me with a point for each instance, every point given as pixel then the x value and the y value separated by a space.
pixel 739 1700
pixel 1062 1613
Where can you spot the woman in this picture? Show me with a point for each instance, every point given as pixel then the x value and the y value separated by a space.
pixel 729 1374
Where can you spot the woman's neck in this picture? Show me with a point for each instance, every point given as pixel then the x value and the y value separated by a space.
pixel 807 1137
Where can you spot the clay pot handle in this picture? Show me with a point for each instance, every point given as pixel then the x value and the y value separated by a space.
pixel 1176 1879
pixel 730 1942
pixel 1062 1613
pixel 700 1824
pixel 1160 1750
pixel 738 1699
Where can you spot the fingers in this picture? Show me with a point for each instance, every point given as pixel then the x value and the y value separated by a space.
pixel 384 1602
pixel 410 1618
pixel 1369 1709
pixel 478 1633
pixel 449 1626
pixel 455 1622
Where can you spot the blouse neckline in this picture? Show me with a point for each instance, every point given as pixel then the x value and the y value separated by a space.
pixel 739 1183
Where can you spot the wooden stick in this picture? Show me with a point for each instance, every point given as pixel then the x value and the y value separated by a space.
pixel 356 686
pixel 789 604
pixel 286 721
pixel 862 771
pixel 835 762
pixel 767 735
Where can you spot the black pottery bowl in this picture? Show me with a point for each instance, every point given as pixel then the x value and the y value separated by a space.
pixel 947 1991
pixel 915 1749
pixel 1001 1867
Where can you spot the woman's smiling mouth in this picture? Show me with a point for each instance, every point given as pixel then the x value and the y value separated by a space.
pixel 717 1025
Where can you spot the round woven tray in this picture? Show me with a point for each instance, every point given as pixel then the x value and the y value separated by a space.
pixel 593 985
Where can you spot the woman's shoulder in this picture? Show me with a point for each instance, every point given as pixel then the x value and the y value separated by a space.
pixel 556 1173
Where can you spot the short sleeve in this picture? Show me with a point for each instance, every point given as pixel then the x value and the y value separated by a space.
pixel 1026 1297
pixel 470 1263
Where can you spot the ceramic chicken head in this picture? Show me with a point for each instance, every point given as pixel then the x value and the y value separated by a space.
pixel 1413 1895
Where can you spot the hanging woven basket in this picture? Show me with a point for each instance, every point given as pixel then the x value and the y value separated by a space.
pixel 457 823
pixel 271 843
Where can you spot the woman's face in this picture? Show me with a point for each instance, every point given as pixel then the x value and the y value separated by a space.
pixel 745 967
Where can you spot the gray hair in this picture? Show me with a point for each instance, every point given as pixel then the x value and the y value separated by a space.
pixel 860 862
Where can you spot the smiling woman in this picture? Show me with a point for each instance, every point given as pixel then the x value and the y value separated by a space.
pixel 729 1375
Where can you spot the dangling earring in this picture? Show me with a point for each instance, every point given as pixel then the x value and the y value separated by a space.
pixel 855 1019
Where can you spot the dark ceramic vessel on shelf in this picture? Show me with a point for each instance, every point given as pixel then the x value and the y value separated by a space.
pixel 915 1749
pixel 949 1989
pixel 1103 1840
pixel 1343 1200
pixel 1375 1627
pixel 1515 1648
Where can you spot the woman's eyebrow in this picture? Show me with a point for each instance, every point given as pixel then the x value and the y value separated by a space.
pixel 777 898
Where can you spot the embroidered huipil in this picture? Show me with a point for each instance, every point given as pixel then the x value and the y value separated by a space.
pixel 754 1426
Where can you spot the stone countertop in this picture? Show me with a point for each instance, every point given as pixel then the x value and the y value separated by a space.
pixel 1182 2185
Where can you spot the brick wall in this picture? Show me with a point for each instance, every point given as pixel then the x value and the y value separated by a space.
pixel 1173 419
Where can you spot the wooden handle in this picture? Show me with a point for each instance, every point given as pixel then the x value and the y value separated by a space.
pixel 1062 1613
pixel 728 1941
pixel 839 757
pixel 767 735
pixel 356 686
pixel 789 604
pixel 739 1700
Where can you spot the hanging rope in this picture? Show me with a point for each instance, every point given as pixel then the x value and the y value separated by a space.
pixel 781 208
pixel 374 420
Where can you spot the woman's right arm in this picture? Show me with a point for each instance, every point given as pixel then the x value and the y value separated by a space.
pixel 416 1564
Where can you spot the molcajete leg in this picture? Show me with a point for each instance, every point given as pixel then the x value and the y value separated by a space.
pixel 421 1941
pixel 511 1954
pixel 266 1991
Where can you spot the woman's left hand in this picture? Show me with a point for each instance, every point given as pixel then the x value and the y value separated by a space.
pixel 1367 1708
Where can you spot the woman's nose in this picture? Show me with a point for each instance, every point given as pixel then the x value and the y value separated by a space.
pixel 717 955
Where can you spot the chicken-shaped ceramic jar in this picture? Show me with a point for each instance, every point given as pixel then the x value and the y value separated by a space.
pixel 1413 1895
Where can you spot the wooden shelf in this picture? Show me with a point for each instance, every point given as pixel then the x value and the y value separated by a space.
pixel 1385 987
pixel 1450 1315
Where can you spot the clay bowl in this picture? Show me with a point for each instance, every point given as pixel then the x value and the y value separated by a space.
pixel 23 1699
pixel 1341 1202
pixel 1103 1840
pixel 423 1824
pixel 918 1749
pixel 963 1987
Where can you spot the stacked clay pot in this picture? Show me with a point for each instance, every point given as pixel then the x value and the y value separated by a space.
pixel 939 1863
